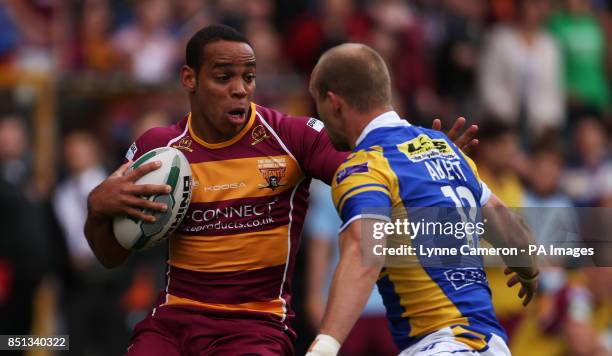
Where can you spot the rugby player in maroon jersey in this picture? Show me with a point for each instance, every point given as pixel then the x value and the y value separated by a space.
pixel 230 265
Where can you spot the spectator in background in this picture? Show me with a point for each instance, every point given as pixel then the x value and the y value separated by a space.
pixel 40 27
pixel 14 163
pixel 370 335
pixel 502 10
pixel 551 216
pixel 92 48
pixel 9 35
pixel 230 12
pixel 310 34
pixel 147 45
pixel 399 32
pixel 93 313
pixel 24 232
pixel 550 212
pixel 500 161
pixel 84 172
pixel 189 16
pixel 457 55
pixel 520 73
pixel 591 164
pixel 583 46
pixel 277 86
pixel 260 10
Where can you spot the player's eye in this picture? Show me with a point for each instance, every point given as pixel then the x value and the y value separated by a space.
pixel 249 78
pixel 223 78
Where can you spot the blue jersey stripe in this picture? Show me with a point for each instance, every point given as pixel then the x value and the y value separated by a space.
pixel 369 202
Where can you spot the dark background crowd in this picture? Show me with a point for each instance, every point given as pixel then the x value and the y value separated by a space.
pixel 79 80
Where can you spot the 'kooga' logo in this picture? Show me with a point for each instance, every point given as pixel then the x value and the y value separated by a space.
pixel 184 203
pixel 212 188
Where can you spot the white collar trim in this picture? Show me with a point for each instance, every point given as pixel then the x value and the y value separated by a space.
pixel 388 119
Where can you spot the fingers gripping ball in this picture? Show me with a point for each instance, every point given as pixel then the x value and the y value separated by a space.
pixel 175 171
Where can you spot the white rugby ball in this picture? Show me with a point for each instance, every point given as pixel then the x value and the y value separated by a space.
pixel 134 234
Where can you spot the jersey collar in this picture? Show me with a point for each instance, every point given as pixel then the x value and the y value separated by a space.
pixel 388 119
pixel 229 142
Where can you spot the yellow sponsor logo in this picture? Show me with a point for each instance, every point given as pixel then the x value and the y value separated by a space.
pixel 424 147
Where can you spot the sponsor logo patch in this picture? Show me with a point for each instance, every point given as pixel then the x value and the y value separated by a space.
pixel 346 172
pixel 131 152
pixel 225 186
pixel 424 147
pixel 315 124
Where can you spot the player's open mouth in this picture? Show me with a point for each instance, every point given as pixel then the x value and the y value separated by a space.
pixel 237 116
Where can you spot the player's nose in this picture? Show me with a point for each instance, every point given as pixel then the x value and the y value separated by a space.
pixel 238 90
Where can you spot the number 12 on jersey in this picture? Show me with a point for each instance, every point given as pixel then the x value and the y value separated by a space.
pixel 463 198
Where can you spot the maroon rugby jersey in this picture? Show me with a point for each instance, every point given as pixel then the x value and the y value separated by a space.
pixel 236 248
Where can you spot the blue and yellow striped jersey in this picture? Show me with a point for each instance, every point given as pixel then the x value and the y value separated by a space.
pixel 402 167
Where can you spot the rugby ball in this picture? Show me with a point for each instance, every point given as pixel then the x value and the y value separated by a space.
pixel 134 234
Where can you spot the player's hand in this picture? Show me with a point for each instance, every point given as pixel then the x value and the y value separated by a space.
pixel 466 141
pixel 529 285
pixel 119 195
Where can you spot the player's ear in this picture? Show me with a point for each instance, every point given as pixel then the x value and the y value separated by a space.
pixel 336 101
pixel 189 78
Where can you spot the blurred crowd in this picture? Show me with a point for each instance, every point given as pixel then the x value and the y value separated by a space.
pixel 534 74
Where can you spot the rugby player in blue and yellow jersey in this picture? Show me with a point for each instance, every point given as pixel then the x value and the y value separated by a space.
pixel 432 309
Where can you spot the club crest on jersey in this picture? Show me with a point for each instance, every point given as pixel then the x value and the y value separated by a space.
pixel 258 134
pixel 463 277
pixel 424 147
pixel 273 171
pixel 184 144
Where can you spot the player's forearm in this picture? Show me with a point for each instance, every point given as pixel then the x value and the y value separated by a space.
pixel 351 287
pixel 318 265
pixel 99 234
pixel 506 229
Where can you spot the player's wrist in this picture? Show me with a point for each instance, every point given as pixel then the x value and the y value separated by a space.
pixel 530 276
pixel 93 212
pixel 95 216
pixel 324 345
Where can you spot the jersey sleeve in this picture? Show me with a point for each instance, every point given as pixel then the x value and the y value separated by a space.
pixel 151 139
pixel 309 143
pixel 485 194
pixel 362 188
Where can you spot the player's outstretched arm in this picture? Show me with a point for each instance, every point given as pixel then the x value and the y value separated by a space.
pixel 506 229
pixel 352 284
pixel 466 141
pixel 119 195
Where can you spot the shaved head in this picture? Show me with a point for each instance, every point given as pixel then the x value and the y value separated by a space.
pixel 356 73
